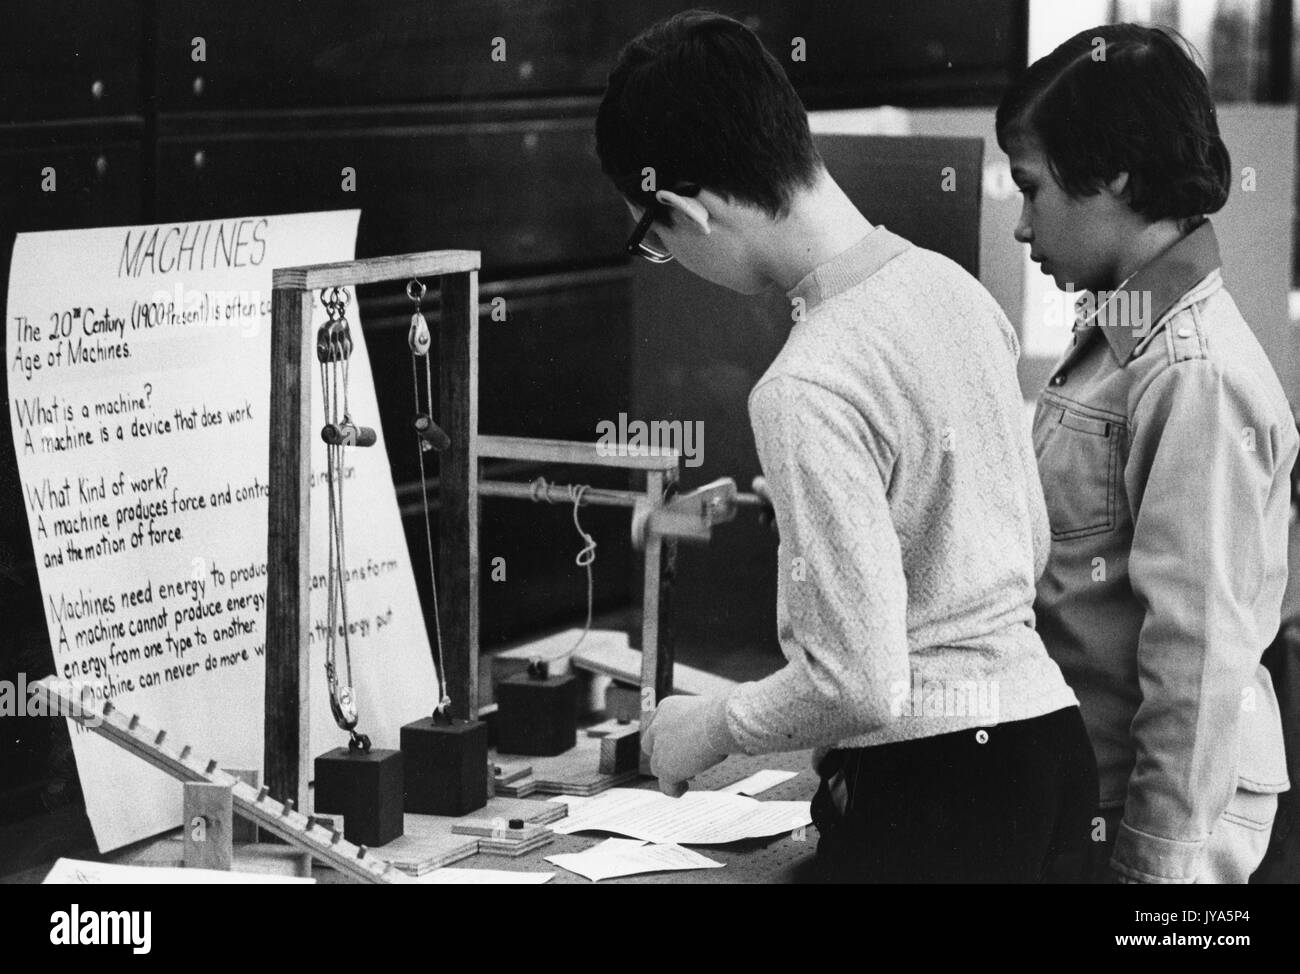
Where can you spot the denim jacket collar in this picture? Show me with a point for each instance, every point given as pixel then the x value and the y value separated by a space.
pixel 1166 278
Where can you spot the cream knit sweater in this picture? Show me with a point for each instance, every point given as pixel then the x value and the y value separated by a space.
pixel 891 432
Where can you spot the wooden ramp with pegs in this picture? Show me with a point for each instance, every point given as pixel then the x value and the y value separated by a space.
pixel 254 804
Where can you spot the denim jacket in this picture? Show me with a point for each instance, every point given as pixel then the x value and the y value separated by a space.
pixel 1165 444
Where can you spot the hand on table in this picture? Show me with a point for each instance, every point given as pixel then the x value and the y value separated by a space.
pixel 684 736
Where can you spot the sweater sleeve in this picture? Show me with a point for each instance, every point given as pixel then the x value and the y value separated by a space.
pixel 843 594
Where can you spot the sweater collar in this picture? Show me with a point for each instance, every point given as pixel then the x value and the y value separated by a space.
pixel 848 268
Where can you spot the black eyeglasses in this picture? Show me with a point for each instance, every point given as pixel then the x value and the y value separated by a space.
pixel 636 245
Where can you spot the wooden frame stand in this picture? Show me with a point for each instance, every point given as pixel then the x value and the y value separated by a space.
pixel 293 427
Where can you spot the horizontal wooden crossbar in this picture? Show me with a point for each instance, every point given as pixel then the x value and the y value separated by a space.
pixel 569 451
pixel 374 270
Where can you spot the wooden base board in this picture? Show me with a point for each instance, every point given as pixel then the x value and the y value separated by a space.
pixel 498 829
pixel 575 772
pixel 521 788
pixel 489 847
pixel 431 841
pixel 508 772
pixel 532 812
pixel 425 846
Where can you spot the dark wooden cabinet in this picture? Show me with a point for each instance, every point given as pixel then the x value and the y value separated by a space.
pixel 285 53
pixel 71 59
pixel 96 180
pixel 919 52
pixel 528 194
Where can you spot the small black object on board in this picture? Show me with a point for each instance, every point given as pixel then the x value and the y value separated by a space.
pixel 365 787
pixel 445 765
pixel 537 713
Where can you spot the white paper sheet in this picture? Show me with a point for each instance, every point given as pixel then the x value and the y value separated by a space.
pixel 696 818
pixel 82 872
pixel 630 857
pixel 758 782
pixel 483 877
pixel 153 389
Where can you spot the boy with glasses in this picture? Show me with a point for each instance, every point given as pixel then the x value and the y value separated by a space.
pixel 890 431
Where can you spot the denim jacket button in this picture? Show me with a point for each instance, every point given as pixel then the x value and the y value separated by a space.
pixel 1184 333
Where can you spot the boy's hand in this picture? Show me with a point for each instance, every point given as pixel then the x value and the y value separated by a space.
pixel 685 735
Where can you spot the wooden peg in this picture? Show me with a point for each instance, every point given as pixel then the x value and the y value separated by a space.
pixel 185 752
pixel 288 807
pixel 157 741
pixel 336 837
pixel 108 707
pixel 245 830
pixel 261 793
pixel 361 852
pixel 134 722
pixel 212 766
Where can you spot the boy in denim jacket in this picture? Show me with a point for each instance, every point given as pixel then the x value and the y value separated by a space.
pixel 1165 443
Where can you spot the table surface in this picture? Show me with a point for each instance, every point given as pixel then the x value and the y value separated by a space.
pixel 785 858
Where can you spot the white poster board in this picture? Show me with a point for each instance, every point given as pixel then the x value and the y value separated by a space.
pixel 139 382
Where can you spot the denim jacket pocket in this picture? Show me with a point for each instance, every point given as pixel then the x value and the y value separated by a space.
pixel 1078 461
pixel 1261 755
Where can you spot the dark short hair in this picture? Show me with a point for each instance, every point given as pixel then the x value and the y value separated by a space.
pixel 1144 109
pixel 699 99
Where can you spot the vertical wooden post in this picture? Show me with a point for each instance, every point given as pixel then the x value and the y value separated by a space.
pixel 656 609
pixel 209 819
pixel 458 580
pixel 288 565
pixel 244 830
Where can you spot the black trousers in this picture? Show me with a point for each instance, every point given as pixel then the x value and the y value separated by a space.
pixel 1016 808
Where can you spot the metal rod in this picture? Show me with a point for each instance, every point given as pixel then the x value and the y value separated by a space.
pixel 558 493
